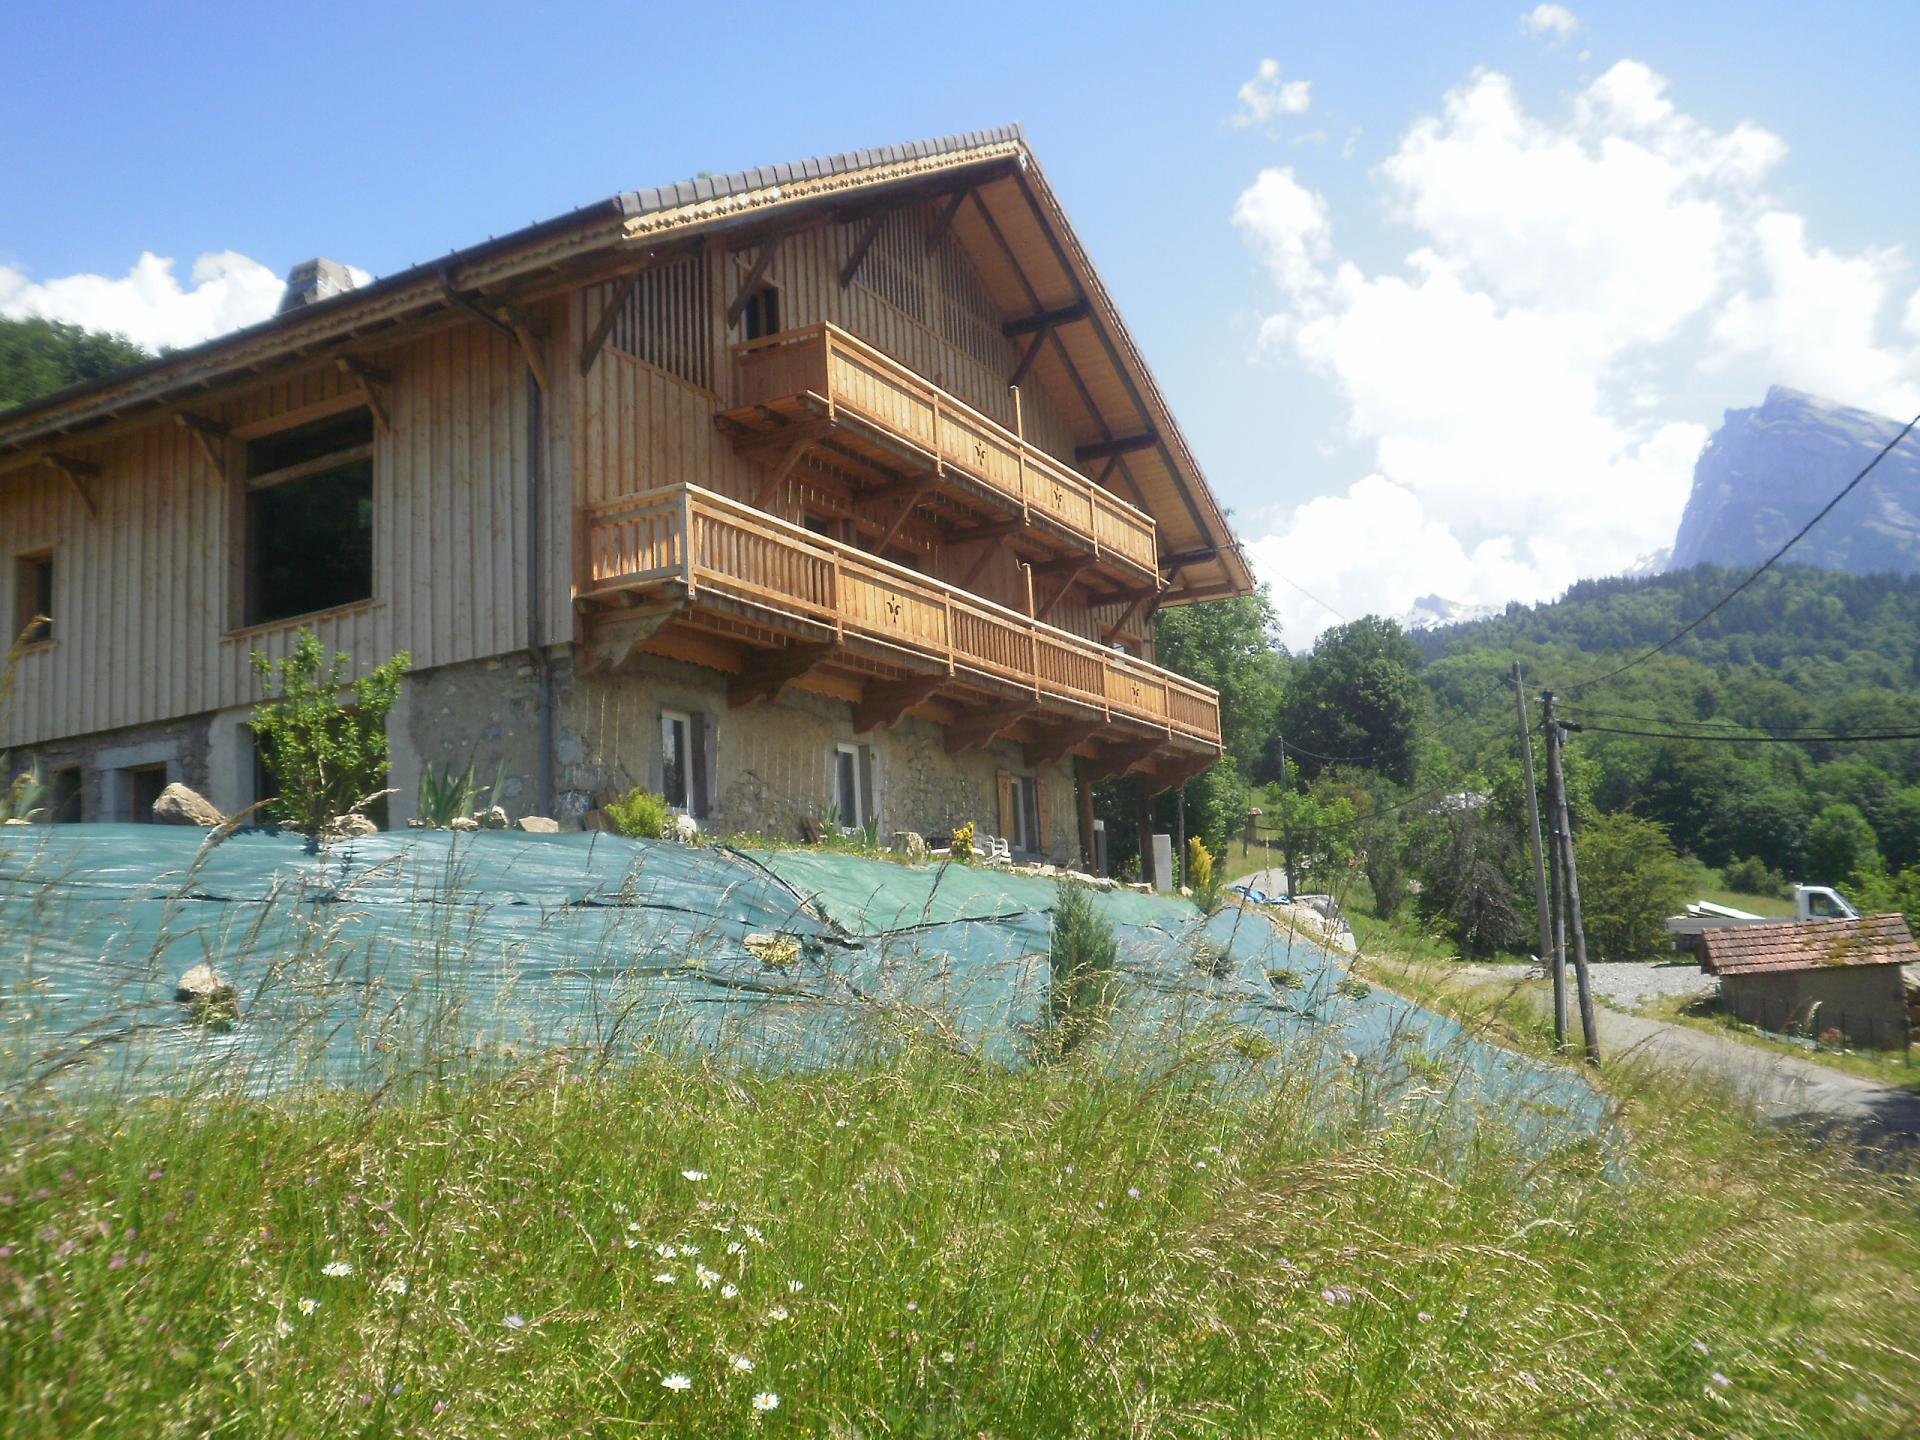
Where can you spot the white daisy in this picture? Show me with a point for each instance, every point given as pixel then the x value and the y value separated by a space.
pixel 741 1363
pixel 687 1252
pixel 795 1286
pixel 694 1175
pixel 707 1278
pixel 675 1382
pixel 727 1292
pixel 308 1305
pixel 664 1250
pixel 665 1277
pixel 752 1232
pixel 337 1269
pixel 394 1285
pixel 514 1322
pixel 766 1400
pixel 734 1247
pixel 778 1312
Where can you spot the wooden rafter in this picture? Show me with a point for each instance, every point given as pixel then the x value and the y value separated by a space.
pixel 982 727
pixel 998 530
pixel 77 473
pixel 1118 445
pixel 1028 356
pixel 522 326
pixel 771 676
pixel 1121 760
pixel 209 435
pixel 770 487
pixel 945 222
pixel 1045 320
pixel 372 383
pixel 884 702
pixel 860 248
pixel 1057 743
pixel 603 327
pixel 755 274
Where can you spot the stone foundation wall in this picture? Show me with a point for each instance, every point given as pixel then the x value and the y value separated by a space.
pixel 104 758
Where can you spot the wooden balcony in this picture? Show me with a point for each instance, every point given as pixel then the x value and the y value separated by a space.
pixel 822 393
pixel 685 572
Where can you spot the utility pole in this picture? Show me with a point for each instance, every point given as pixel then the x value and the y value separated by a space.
pixel 1286 851
pixel 1551 955
pixel 1563 826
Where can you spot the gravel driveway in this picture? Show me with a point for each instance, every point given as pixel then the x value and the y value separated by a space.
pixel 1625 984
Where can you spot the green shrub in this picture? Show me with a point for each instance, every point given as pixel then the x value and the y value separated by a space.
pixel 445 796
pixel 640 814
pixel 1753 876
pixel 1083 956
pixel 1630 881
pixel 327 757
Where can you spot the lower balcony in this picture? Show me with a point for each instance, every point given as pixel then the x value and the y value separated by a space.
pixel 686 573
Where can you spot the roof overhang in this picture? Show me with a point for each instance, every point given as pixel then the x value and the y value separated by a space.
pixel 1000 208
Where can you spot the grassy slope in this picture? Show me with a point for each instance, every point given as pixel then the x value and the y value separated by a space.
pixel 972 1256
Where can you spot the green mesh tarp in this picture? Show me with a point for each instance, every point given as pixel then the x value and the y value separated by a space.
pixel 378 960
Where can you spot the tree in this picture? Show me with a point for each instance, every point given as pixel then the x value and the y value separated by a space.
pixel 1899 828
pixel 1464 857
pixel 1631 879
pixel 39 356
pixel 1840 845
pixel 1355 700
pixel 327 757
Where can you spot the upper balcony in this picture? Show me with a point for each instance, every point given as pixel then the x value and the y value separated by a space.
pixel 823 393
pixel 684 572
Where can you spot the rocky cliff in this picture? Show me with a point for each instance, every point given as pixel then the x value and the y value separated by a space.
pixel 1767 470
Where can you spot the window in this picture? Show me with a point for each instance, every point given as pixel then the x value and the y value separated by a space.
pixel 33 597
pixel 144 784
pixel 683 762
pixel 1023 812
pixel 666 321
pixel 853 786
pixel 761 315
pixel 63 797
pixel 309 518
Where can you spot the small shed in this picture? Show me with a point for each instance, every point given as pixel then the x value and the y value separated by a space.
pixel 1815 976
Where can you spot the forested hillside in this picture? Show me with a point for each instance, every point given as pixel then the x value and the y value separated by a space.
pixel 39 356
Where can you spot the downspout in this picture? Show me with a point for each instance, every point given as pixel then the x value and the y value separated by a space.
pixel 536 650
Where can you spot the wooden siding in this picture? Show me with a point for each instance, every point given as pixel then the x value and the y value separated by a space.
pixel 145 600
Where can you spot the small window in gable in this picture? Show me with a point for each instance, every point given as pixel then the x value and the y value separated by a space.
pixel 308 527
pixel 33 598
pixel 666 321
pixel 760 317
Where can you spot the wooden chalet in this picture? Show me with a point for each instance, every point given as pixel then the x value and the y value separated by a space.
pixel 834 490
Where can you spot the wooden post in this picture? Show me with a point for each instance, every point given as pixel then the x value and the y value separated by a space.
pixel 1286 852
pixel 1180 833
pixel 1556 776
pixel 1083 803
pixel 1550 956
pixel 1146 833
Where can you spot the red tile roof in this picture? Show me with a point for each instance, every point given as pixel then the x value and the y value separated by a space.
pixel 1808 945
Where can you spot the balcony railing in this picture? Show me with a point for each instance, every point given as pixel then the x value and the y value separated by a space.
pixel 716 547
pixel 852 379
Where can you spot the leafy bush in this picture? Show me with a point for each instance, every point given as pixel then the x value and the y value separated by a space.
pixel 1083 956
pixel 640 814
pixel 1630 881
pixel 327 757
pixel 1201 877
pixel 1753 876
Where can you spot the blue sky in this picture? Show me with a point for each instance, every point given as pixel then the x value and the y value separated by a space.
pixel 1519 407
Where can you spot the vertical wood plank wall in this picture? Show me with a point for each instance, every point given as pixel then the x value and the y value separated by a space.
pixel 144 628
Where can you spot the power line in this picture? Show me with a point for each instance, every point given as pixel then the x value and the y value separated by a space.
pixel 1789 731
pixel 1765 566
pixel 1762 738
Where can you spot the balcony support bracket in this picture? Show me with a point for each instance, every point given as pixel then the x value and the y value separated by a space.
pixel 886 701
pixel 1116 763
pixel 209 435
pixel 982 727
pixel 76 473
pixel 615 636
pixel 797 447
pixel 1059 742
pixel 770 677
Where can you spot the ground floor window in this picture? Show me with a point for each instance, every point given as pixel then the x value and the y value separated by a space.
pixel 683 761
pixel 1023 812
pixel 853 786
pixel 64 806
pixel 144 784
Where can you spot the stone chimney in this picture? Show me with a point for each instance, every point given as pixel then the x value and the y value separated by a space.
pixel 312 280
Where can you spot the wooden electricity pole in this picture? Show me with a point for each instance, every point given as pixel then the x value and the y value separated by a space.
pixel 1286 851
pixel 1563 839
pixel 1551 955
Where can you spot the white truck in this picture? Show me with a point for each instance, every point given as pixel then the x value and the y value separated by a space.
pixel 1810 902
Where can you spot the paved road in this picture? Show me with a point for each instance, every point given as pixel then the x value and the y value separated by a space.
pixel 1780 1087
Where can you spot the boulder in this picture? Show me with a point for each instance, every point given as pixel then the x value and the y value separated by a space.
pixel 463 822
pixel 178 805
pixel 909 843
pixel 682 828
pixel 494 819
pixel 538 825
pixel 207 993
pixel 342 827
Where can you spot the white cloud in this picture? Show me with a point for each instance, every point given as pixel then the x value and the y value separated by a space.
pixel 1555 21
pixel 148 304
pixel 1266 97
pixel 1521 378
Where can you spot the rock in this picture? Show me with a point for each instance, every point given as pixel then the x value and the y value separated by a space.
pixel 910 844
pixel 15 822
pixel 463 822
pixel 683 829
pixel 775 951
pixel 178 805
pixel 208 994
pixel 596 819
pixel 342 827
pixel 538 825
pixel 494 819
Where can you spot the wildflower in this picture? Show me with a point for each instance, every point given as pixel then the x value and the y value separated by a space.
pixel 1423 1317
pixel 155 1174
pixel 282 1329
pixel 752 1232
pixel 1337 1295
pixel 514 1322
pixel 336 1269
pixel 119 1260
pixel 734 1247
pixel 778 1312
pixel 1199 1164
pixel 766 1400
pixel 675 1382
pixel 687 1252
pixel 633 1224
pixel 1701 1346
pixel 618 1208
pixel 912 1305
pixel 741 1363
pixel 841 1123
pixel 1133 1192
pixel 946 1357
pixel 665 1251
pixel 694 1175
pixel 1720 1382
pixel 707 1278
pixel 630 1243
pixel 394 1285
pixel 308 1305
pixel 665 1277
pixel 727 1292
pixel 795 1287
